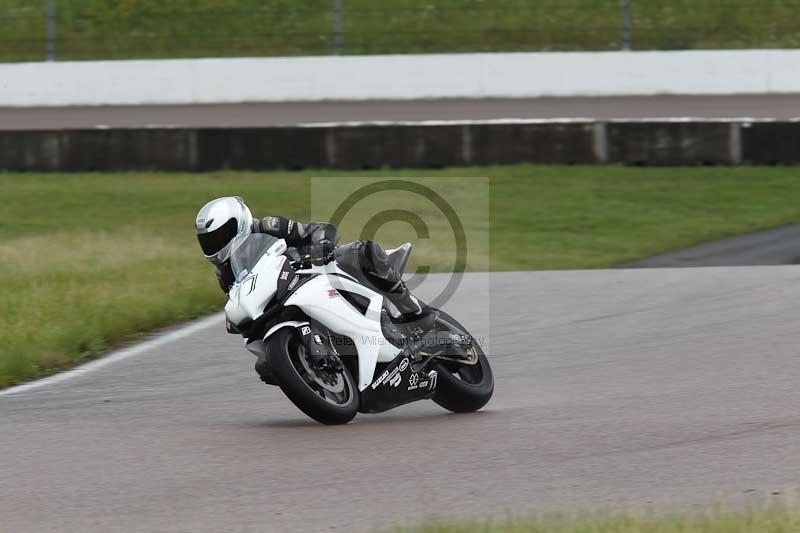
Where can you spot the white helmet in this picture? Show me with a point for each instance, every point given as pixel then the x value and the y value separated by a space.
pixel 218 223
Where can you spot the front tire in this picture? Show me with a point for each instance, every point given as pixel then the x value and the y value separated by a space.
pixel 462 388
pixel 304 388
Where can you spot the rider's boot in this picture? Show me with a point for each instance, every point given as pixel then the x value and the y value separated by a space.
pixel 414 311
pixel 389 281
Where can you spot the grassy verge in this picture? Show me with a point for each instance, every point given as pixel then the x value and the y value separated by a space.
pixel 772 521
pixel 124 29
pixel 88 260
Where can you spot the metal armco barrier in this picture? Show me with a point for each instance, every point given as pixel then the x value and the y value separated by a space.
pixel 423 145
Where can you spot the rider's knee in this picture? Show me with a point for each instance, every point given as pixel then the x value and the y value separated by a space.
pixel 376 258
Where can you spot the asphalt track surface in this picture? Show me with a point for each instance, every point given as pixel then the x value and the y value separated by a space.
pixel 287 114
pixel 618 389
pixel 776 246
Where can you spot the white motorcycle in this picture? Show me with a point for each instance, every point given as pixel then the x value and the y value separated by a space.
pixel 332 343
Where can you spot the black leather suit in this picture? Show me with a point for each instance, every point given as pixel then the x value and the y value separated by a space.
pixel 319 240
pixel 316 239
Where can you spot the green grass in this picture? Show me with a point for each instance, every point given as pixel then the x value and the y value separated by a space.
pixel 90 260
pixel 763 521
pixel 122 29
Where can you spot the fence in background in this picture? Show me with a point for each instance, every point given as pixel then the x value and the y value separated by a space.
pixel 658 142
pixel 125 29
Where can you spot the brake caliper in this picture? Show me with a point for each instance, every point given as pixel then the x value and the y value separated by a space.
pixel 321 356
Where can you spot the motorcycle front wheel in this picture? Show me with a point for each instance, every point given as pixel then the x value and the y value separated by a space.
pixel 329 397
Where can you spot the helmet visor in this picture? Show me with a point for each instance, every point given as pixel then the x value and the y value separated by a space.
pixel 213 242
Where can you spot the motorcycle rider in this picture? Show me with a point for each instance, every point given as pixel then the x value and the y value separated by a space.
pixel 221 220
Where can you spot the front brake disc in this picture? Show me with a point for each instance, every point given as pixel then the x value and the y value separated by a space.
pixel 337 387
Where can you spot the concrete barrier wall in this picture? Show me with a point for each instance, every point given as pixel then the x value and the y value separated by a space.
pixel 494 75
pixel 404 145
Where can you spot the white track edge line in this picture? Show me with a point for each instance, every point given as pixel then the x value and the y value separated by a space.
pixel 565 120
pixel 118 355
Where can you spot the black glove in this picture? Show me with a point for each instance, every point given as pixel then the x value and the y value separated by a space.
pixel 322 252
pixel 308 260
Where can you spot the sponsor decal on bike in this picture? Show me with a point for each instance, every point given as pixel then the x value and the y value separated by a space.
pixel 380 380
pixel 252 281
pixel 333 293
pixel 305 330
pixel 433 377
pixel 393 377
pixel 425 382
pixel 317 339
pixel 464 340
pixel 285 275
pixel 293 283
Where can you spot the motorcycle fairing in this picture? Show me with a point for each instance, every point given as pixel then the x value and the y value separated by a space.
pixel 248 298
pixel 319 298
pixel 396 385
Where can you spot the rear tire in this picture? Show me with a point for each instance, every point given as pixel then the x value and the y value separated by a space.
pixel 285 350
pixel 462 388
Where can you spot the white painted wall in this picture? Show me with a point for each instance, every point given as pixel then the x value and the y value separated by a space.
pixel 399 77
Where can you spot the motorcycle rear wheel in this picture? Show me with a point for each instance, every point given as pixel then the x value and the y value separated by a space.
pixel 315 397
pixel 462 388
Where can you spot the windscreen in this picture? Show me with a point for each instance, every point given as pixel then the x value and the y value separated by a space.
pixel 248 251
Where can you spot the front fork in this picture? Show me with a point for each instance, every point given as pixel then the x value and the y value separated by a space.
pixel 321 353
